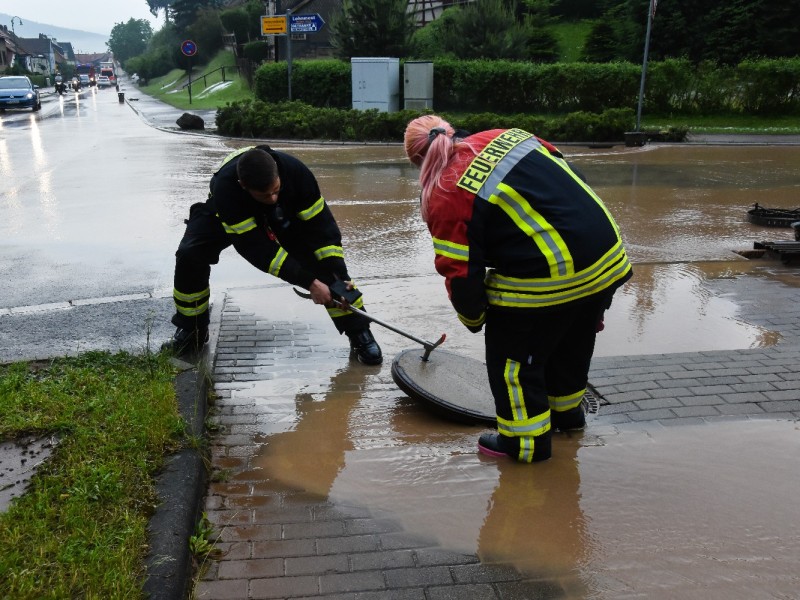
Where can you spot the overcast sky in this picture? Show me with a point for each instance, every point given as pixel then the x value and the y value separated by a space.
pixel 96 16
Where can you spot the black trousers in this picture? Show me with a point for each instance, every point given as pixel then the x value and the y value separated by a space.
pixel 203 241
pixel 538 361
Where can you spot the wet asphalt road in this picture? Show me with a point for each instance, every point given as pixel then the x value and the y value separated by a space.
pixel 91 208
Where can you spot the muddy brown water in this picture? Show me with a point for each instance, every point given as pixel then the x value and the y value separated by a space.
pixel 635 511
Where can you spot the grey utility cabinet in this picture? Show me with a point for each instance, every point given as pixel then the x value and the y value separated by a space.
pixel 376 83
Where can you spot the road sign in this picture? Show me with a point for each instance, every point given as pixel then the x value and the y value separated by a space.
pixel 273 25
pixel 189 48
pixel 310 23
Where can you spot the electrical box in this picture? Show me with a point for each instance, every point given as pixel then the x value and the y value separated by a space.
pixel 418 84
pixel 376 83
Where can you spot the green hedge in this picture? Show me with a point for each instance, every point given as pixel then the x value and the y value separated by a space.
pixel 297 120
pixel 768 87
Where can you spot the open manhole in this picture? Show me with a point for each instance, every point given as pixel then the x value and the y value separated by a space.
pixel 456 386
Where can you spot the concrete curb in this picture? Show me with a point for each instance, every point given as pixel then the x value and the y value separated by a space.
pixel 180 488
pixel 182 484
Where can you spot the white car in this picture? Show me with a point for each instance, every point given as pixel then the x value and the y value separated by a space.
pixel 103 81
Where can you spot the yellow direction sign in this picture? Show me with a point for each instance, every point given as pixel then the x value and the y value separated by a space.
pixel 273 25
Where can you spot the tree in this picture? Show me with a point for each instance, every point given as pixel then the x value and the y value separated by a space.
pixel 129 39
pixel 601 44
pixel 371 28
pixel 206 32
pixel 486 29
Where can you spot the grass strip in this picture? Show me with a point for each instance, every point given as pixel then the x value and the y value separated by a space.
pixel 80 528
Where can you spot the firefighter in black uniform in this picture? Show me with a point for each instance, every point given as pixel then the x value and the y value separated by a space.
pixel 267 204
pixel 508 201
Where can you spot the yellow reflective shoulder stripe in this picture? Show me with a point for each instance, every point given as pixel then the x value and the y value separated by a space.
pixel 450 249
pixel 562 403
pixel 328 252
pixel 312 211
pixel 472 322
pixel 277 262
pixel 534 225
pixel 233 155
pixel 243 227
pixel 484 171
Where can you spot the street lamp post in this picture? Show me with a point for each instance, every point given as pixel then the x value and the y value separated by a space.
pixel 12 24
pixel 650 14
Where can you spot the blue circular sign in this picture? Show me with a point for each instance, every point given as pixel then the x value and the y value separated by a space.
pixel 189 48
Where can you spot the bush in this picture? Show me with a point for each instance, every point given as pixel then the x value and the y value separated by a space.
pixel 298 120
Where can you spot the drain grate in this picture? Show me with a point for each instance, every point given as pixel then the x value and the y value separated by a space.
pixel 591 402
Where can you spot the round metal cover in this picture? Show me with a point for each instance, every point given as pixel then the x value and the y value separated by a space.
pixel 455 385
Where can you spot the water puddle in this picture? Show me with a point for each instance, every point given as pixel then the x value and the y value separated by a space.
pixel 618 512
pixel 19 460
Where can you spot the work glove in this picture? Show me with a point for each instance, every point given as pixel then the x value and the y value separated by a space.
pixel 344 291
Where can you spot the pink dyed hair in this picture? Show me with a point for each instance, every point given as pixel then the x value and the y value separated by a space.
pixel 430 155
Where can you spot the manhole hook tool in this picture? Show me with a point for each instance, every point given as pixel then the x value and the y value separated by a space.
pixel 429 346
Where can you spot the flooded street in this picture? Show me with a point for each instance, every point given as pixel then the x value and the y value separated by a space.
pixel 623 510
pixel 620 511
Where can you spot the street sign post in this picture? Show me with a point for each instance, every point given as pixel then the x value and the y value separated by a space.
pixel 279 25
pixel 189 49
pixel 308 23
pixel 273 25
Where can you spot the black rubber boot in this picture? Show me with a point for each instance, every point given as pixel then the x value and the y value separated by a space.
pixel 573 419
pixel 186 341
pixel 494 444
pixel 365 348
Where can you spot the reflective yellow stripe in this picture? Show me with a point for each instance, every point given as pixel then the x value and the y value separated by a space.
pixel 562 403
pixel 277 262
pixel 336 312
pixel 484 172
pixel 527 427
pixel 243 227
pixel 450 249
pixel 532 293
pixel 515 395
pixel 233 155
pixel 328 252
pixel 190 297
pixel 472 322
pixel 192 311
pixel 312 211
pixel 535 226
pixel 563 164
pixel 526 445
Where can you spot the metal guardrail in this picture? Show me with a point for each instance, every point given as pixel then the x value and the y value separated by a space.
pixel 205 75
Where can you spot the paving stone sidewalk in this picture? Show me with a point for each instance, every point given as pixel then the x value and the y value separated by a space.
pixel 282 542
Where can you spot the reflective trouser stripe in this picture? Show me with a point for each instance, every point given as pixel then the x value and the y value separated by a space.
pixel 191 305
pixel 520 425
pixel 562 403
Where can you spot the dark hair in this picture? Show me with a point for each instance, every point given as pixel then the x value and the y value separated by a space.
pixel 256 170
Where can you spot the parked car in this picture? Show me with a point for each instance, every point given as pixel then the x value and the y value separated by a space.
pixel 103 81
pixel 17 91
